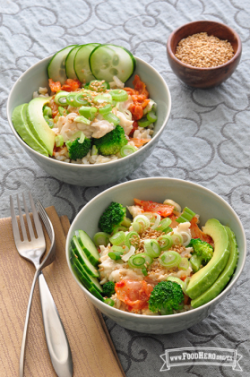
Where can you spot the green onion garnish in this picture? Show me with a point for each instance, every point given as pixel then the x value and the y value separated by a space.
pixel 61 98
pixel 134 237
pixel 101 238
pixel 164 224
pixel 105 109
pixel 126 150
pixel 165 241
pixel 186 216
pixel 102 98
pixel 119 95
pixel 151 117
pixel 177 238
pixel 88 112
pixel 170 259
pixel 176 280
pixel 184 264
pixel 111 118
pixel 115 255
pixel 144 122
pixel 136 261
pixel 59 141
pixel 152 248
pixel 109 301
pixel 118 238
pixel 82 119
pixel 47 111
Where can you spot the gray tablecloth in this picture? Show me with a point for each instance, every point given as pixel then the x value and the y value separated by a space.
pixel 206 141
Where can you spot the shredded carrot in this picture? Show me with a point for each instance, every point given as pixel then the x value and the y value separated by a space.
pixel 131 91
pixel 55 86
pixel 71 85
pixel 139 142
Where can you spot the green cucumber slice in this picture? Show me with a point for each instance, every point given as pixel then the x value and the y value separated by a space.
pixel 81 62
pixel 69 63
pixel 81 255
pixel 89 247
pixel 107 61
pixel 56 67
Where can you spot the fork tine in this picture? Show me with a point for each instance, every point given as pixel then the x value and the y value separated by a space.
pixel 31 231
pixel 15 228
pixel 25 238
pixel 37 221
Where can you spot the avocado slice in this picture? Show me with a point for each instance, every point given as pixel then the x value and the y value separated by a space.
pixel 224 277
pixel 19 120
pixel 38 124
pixel 206 276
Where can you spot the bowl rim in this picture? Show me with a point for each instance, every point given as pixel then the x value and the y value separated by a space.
pixel 57 163
pixel 176 315
pixel 191 67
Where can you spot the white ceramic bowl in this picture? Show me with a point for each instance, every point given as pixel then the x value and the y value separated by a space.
pixel 201 200
pixel 92 175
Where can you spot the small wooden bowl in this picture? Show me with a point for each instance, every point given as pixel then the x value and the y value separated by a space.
pixel 203 77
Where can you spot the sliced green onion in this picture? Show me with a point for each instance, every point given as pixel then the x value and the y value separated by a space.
pixel 143 122
pixel 134 237
pixel 115 255
pixel 119 228
pixel 117 248
pixel 176 280
pixel 118 238
pixel 143 220
pixel 151 117
pixel 62 111
pixel 168 230
pixel 157 221
pixel 88 112
pixel 126 150
pixel 148 259
pixel 165 241
pixel 144 271
pixel 137 227
pixel 98 85
pixel 82 119
pixel 152 248
pixel 164 224
pixel 47 111
pixel 102 98
pixel 170 259
pixel 101 238
pixel 126 222
pixel 59 141
pixel 49 122
pixel 109 301
pixel 105 109
pixel 61 98
pixel 184 264
pixel 186 282
pixel 83 99
pixel 94 151
pixel 186 236
pixel 111 118
pixel 136 261
pixel 186 216
pixel 119 95
pixel 177 238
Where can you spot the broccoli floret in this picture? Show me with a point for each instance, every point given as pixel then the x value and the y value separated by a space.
pixel 166 297
pixel 202 253
pixel 78 150
pixel 108 288
pixel 112 142
pixel 202 249
pixel 113 216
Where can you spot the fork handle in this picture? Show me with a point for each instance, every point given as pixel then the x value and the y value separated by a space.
pixel 25 331
pixel 57 342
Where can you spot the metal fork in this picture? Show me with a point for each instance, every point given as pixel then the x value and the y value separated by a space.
pixel 33 250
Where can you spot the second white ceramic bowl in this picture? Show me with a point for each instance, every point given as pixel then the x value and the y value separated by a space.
pixel 92 175
pixel 202 201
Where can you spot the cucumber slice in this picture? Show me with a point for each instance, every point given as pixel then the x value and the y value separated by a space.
pixel 96 293
pixel 89 247
pixel 56 67
pixel 107 61
pixel 69 63
pixel 80 253
pixel 81 62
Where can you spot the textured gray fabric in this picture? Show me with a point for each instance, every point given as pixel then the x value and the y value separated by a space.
pixel 206 140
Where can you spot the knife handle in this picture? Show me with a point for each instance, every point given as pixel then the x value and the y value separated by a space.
pixel 57 342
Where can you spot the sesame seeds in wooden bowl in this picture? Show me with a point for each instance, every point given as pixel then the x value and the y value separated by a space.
pixel 203 54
